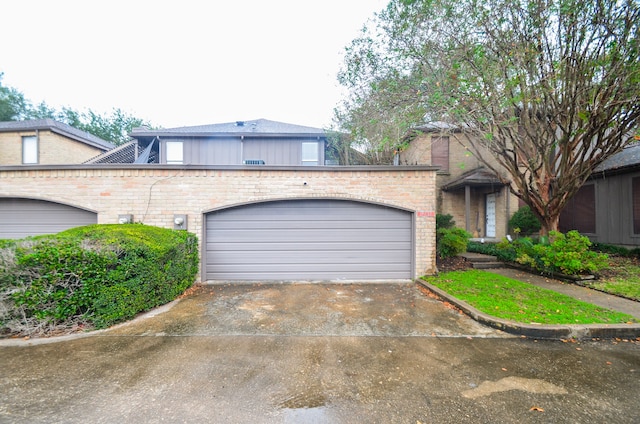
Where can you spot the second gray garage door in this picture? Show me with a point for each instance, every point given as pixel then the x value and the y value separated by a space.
pixel 309 240
pixel 20 218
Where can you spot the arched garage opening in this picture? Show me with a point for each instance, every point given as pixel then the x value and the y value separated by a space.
pixel 308 239
pixel 21 217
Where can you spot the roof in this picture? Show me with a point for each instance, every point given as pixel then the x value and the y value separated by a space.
pixel 478 177
pixel 58 128
pixel 629 157
pixel 261 127
pixel 437 126
pixel 125 153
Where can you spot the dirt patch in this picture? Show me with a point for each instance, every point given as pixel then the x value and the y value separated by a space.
pixel 454 263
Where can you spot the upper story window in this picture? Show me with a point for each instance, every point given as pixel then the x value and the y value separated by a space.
pixel 440 153
pixel 310 154
pixel 175 152
pixel 30 150
pixel 635 188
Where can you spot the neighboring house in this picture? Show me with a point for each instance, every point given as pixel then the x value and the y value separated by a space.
pixel 468 191
pixel 257 142
pixel 607 206
pixel 46 142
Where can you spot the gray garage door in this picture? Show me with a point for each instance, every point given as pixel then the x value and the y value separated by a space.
pixel 308 239
pixel 20 218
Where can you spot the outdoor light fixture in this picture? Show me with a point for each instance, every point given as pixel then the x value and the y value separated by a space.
pixel 125 219
pixel 179 222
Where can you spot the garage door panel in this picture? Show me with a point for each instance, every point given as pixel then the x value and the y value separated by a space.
pixel 309 222
pixel 309 235
pixel 21 218
pixel 308 239
pixel 300 256
pixel 315 246
pixel 314 276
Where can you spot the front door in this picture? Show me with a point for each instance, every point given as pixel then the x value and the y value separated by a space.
pixel 490 229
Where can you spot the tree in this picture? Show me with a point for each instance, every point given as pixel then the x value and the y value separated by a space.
pixel 113 127
pixel 381 105
pixel 13 105
pixel 549 88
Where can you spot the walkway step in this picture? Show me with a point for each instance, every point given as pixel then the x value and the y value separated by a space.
pixel 478 257
pixel 486 265
pixel 481 261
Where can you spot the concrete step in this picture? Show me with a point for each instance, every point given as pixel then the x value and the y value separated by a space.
pixel 478 257
pixel 486 265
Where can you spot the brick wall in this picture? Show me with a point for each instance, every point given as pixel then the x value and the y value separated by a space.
pixel 155 193
pixel 52 148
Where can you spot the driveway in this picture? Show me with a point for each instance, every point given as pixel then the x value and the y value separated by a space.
pixel 301 353
pixel 346 310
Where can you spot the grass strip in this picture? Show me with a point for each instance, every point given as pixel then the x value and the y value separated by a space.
pixel 624 279
pixel 514 300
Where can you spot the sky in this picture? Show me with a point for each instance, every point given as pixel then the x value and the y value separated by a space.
pixel 187 62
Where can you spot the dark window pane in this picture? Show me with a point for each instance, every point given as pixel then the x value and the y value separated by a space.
pixel 440 153
pixel 635 184
pixel 580 212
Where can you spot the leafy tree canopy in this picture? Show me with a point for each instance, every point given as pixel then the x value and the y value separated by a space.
pixel 113 127
pixel 547 88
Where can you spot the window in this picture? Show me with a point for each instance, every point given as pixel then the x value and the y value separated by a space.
pixel 580 212
pixel 174 152
pixel 440 153
pixel 635 187
pixel 30 150
pixel 310 154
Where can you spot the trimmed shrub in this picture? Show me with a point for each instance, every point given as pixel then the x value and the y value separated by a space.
pixel 444 221
pixel 503 251
pixel 92 277
pixel 526 221
pixel 565 253
pixel 451 241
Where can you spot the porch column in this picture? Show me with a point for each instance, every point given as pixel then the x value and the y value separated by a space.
pixel 467 208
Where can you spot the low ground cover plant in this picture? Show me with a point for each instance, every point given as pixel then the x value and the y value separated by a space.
pixel 91 277
pixel 621 278
pixel 513 300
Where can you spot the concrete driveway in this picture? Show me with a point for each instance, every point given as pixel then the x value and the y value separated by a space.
pixel 347 310
pixel 305 353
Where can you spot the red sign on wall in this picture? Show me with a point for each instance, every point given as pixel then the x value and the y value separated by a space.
pixel 426 213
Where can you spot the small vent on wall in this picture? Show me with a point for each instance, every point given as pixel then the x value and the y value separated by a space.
pixel 253 162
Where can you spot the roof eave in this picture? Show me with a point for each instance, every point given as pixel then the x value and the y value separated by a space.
pixel 227 134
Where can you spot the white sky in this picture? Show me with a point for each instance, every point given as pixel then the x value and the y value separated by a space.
pixel 183 62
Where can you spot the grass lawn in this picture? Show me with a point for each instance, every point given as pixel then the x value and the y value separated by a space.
pixel 514 300
pixel 622 278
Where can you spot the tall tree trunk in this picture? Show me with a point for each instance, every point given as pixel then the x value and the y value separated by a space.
pixel 549 223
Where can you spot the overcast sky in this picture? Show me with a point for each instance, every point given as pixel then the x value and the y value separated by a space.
pixel 183 62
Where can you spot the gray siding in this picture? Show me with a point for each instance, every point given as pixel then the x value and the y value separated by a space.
pixel 20 218
pixel 308 240
pixel 279 151
pixel 232 150
pixel 614 210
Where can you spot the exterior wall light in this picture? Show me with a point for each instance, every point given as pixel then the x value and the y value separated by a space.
pixel 125 219
pixel 179 222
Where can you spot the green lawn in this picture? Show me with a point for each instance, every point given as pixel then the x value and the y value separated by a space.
pixel 622 278
pixel 514 300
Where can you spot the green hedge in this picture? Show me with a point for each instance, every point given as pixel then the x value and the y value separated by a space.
pixel 92 276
